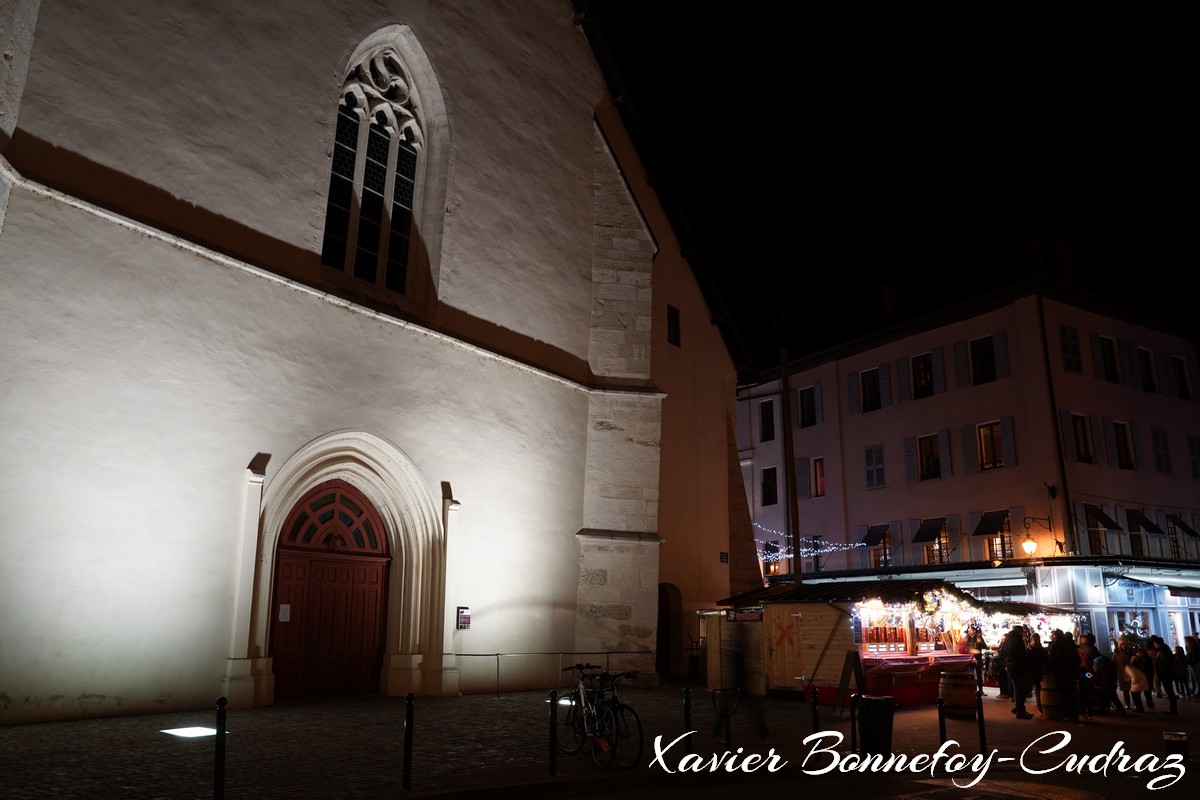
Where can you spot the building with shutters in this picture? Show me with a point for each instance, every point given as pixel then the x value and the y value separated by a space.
pixel 341 350
pixel 1039 417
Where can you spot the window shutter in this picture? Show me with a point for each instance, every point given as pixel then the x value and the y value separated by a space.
pixel 1110 441
pixel 1125 353
pixel 944 452
pixel 1135 433
pixel 1166 375
pixel 939 370
pixel 1131 366
pixel 803 479
pixel 902 379
pixel 1008 442
pixel 962 366
pixel 910 459
pixel 1097 355
pixel 1097 437
pixel 817 401
pixel 885 385
pixel 1068 435
pixel 852 392
pixel 970 451
pixel 1000 349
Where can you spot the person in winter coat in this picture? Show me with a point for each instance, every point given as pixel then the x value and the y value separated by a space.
pixel 1037 667
pixel 1180 666
pixel 1104 685
pixel 1164 667
pixel 1016 664
pixel 1120 662
pixel 1191 646
pixel 1147 666
pixel 1062 661
pixel 1139 684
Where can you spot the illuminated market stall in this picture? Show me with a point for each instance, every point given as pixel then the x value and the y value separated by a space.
pixel 901 634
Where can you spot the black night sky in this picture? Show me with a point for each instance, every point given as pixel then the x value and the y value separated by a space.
pixel 814 158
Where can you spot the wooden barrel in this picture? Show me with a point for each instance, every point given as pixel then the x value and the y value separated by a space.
pixel 1052 705
pixel 957 690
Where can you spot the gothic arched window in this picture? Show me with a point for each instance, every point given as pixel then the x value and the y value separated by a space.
pixel 373 181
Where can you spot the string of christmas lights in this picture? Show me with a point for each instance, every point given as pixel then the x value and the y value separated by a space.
pixel 808 551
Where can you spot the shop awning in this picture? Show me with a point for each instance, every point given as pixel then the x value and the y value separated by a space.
pixel 991 523
pixel 875 535
pixel 1140 522
pixel 930 529
pixel 1097 513
pixel 1178 522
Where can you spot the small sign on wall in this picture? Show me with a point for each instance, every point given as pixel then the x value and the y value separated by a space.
pixel 285 612
pixel 464 618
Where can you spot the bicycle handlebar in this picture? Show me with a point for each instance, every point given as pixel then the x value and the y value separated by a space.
pixel 581 667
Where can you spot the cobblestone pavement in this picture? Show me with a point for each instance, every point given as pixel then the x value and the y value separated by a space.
pixel 488 745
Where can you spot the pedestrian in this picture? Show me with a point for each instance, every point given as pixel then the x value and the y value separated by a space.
pixel 1037 668
pixel 1191 646
pixel 1180 670
pixel 1062 661
pixel 1164 669
pixel 1104 685
pixel 1120 662
pixel 1016 664
pixel 1145 662
pixel 1086 646
pixel 1139 684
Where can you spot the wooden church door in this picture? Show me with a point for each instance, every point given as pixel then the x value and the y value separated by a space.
pixel 328 618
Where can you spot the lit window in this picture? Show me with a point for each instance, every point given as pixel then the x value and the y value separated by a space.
pixel 991 447
pixel 818 477
pixel 771 558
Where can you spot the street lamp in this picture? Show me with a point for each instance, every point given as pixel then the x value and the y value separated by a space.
pixel 1029 545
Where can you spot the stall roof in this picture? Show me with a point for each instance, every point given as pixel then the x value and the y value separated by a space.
pixel 889 591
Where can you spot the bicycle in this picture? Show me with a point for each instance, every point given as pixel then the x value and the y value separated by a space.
pixel 627 730
pixel 583 720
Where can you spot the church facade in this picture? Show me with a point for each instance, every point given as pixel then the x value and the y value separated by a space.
pixel 342 352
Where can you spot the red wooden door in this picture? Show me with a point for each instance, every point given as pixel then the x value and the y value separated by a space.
pixel 328 615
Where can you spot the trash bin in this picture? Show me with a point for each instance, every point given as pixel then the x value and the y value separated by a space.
pixel 1175 742
pixel 875 724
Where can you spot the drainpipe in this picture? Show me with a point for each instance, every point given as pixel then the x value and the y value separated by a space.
pixel 1067 516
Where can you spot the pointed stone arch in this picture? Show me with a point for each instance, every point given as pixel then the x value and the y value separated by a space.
pixel 415 534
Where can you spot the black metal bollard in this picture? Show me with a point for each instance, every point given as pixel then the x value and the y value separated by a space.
pixel 979 713
pixel 687 719
pixel 219 761
pixel 816 712
pixel 941 704
pixel 854 723
pixel 553 729
pixel 408 739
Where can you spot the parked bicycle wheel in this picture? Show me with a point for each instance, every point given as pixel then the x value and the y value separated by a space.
pixel 629 736
pixel 570 733
pixel 604 738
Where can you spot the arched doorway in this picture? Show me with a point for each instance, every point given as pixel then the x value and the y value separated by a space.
pixel 329 609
